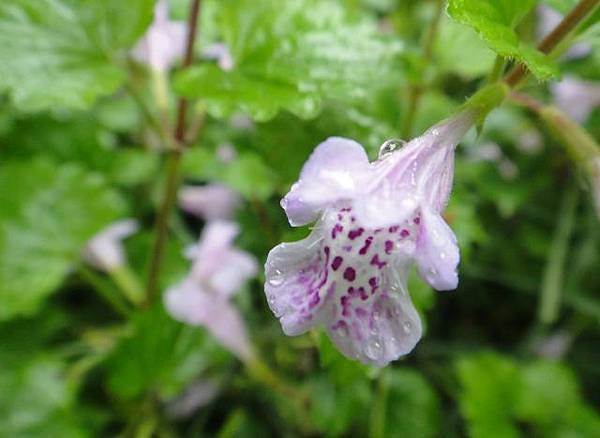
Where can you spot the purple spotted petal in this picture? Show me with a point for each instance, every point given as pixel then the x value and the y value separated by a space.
pixel 351 279
pixel 295 282
pixel 336 170
pixel 189 303
pixel 437 253
pixel 380 329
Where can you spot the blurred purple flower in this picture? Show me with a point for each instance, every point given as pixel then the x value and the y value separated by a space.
pixel 372 221
pixel 209 202
pixel 197 395
pixel 226 152
pixel 105 251
pixel 576 97
pixel 164 41
pixel 219 52
pixel 203 298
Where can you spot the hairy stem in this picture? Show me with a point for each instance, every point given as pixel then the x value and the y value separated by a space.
pixel 173 165
pixel 554 38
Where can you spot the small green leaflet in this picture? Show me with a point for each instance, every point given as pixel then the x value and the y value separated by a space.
pixel 494 21
pixel 63 53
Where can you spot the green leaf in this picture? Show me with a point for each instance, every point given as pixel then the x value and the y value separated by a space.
pixel 562 6
pixel 490 388
pixel 161 355
pixel 412 405
pixel 495 21
pixel 288 56
pixel 459 50
pixel 541 402
pixel 47 213
pixel 339 408
pixel 62 53
pixel 224 93
pixel 36 400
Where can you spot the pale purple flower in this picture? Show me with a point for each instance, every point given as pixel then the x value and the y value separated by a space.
pixel 226 152
pixel 203 297
pixel 221 53
pixel 530 141
pixel 373 220
pixel 210 202
pixel 576 97
pixel 164 41
pixel 105 250
pixel 196 396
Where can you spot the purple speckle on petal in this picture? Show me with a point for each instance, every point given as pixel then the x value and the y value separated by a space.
pixel 350 274
pixel 417 220
pixel 393 228
pixel 404 233
pixel 360 312
pixel 338 228
pixel 314 301
pixel 353 234
pixel 366 246
pixel 363 293
pixel 388 246
pixel 376 262
pixel 337 261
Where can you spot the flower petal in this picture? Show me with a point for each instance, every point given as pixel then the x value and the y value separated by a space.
pixel 437 254
pixel 335 170
pixel 211 202
pixel 382 329
pixel 189 303
pixel 295 275
pixel 236 268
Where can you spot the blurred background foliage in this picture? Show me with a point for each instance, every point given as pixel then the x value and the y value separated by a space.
pixel 513 352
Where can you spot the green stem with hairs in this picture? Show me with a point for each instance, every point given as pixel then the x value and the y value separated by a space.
pixel 569 23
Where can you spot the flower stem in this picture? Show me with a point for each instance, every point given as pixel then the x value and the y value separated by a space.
pixel 378 413
pixel 552 40
pixel 415 91
pixel 173 165
pixel 552 281
pixel 105 290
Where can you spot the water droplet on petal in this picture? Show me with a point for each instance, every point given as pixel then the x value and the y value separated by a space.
pixel 406 327
pixel 277 278
pixel 442 255
pixel 390 146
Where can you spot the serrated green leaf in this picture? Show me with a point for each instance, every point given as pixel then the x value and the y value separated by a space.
pixel 47 213
pixel 494 21
pixel 224 93
pixel 287 55
pixel 61 53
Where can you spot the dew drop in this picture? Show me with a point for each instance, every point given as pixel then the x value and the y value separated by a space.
pixel 390 146
pixel 277 278
pixel 406 327
pixel 442 255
